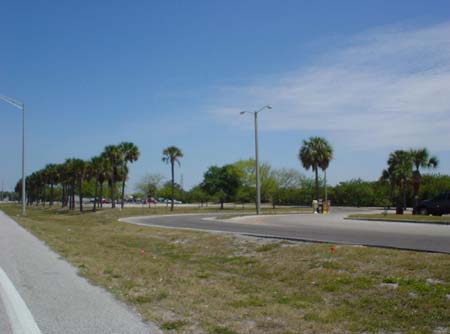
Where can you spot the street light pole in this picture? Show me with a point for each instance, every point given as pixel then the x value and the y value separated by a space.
pixel 20 106
pixel 24 206
pixel 258 186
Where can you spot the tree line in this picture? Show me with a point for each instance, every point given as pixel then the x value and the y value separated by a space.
pixel 404 173
pixel 401 182
pixel 235 182
pixel 109 168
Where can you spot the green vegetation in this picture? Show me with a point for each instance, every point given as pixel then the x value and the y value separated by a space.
pixel 222 182
pixel 74 176
pixel 195 282
pixel 404 169
pixel 149 186
pixel 406 218
pixel 315 153
pixel 401 184
pixel 172 155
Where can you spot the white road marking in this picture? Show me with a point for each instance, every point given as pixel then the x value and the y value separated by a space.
pixel 22 321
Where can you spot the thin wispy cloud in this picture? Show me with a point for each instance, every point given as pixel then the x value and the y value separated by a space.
pixel 387 87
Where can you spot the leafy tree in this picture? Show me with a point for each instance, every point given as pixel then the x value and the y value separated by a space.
pixel 222 182
pixel 168 189
pixel 197 194
pixel 285 180
pixel 150 184
pixel 172 155
pixel 245 195
pixel 433 184
pixel 315 153
pixel 248 180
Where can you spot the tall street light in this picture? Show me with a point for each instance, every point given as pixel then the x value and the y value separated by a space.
pixel 258 188
pixel 20 106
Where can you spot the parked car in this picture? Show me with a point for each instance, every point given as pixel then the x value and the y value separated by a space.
pixel 92 200
pixel 438 206
pixel 174 201
pixel 151 200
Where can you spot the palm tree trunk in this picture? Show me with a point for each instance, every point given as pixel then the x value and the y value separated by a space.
pixel 123 186
pixel 391 192
pixel 69 196
pixel 416 186
pixel 325 184
pixel 173 185
pixel 51 194
pixel 316 187
pixel 80 193
pixel 101 194
pixel 95 194
pixel 113 199
pixel 63 195
pixel 44 195
pixel 404 195
pixel 73 195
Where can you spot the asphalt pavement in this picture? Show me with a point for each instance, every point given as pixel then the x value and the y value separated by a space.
pixel 5 326
pixel 332 228
pixel 59 300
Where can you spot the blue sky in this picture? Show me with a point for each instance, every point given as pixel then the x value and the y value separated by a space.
pixel 371 76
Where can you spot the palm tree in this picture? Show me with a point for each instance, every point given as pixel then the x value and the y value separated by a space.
pixel 52 178
pixel 75 170
pixel 69 184
pixel 97 170
pixel 420 159
pixel 42 177
pixel 63 176
pixel 316 153
pixel 171 155
pixel 386 177
pixel 400 170
pixel 129 153
pixel 113 154
pixel 79 168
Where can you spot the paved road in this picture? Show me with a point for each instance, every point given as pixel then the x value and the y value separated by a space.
pixel 5 327
pixel 323 228
pixel 59 300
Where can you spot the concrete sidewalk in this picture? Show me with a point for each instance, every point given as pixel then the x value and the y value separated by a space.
pixel 59 300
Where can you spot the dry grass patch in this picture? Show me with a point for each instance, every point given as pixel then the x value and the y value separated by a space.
pixel 198 282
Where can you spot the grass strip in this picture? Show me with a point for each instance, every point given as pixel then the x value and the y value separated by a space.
pixel 199 282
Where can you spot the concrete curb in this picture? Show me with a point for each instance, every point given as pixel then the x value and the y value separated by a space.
pixel 425 222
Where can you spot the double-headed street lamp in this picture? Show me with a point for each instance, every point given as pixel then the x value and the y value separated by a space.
pixel 258 188
pixel 20 106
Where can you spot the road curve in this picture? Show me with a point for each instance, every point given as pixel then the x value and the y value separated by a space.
pixel 331 228
pixel 59 300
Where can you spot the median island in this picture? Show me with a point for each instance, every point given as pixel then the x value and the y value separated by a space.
pixel 406 218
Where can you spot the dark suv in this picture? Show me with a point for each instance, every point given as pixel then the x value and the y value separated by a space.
pixel 438 206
